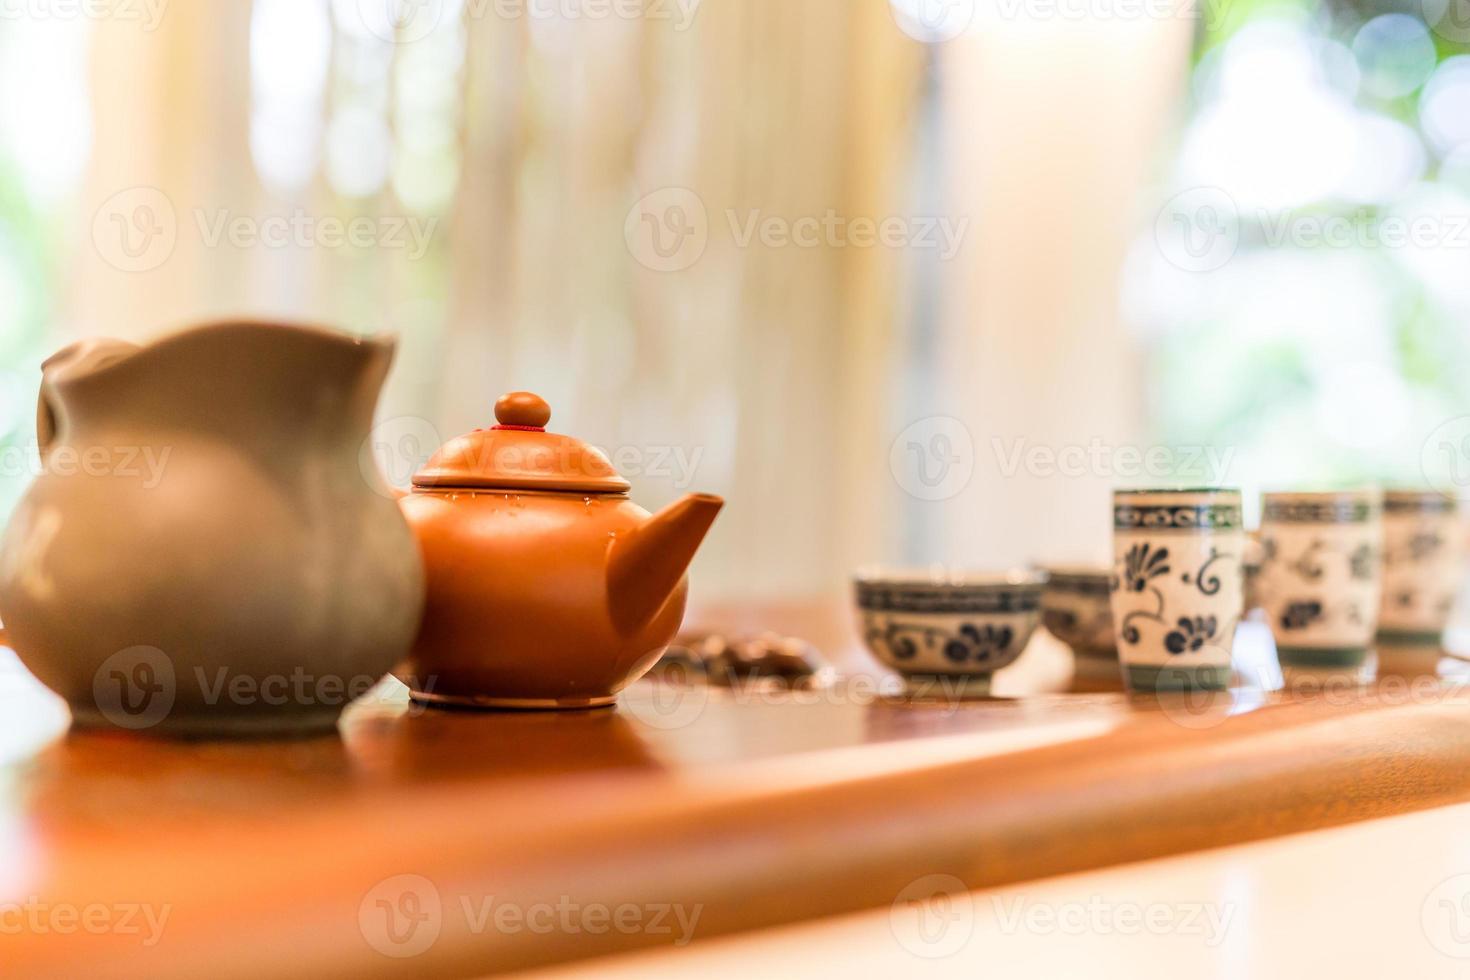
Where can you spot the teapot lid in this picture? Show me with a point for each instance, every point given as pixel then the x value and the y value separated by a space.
pixel 519 454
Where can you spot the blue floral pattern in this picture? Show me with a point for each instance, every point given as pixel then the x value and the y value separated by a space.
pixel 1191 635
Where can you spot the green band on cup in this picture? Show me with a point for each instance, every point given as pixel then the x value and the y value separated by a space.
pixel 1322 656
pixel 1141 678
pixel 1412 638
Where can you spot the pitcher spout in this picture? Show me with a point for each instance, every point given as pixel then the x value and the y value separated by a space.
pixel 646 566
pixel 80 358
pixel 254 384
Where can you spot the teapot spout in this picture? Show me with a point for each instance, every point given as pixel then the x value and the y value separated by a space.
pixel 645 567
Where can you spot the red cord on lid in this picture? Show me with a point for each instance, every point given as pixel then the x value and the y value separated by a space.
pixel 518 428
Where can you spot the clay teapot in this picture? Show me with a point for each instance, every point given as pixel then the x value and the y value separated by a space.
pixel 202 552
pixel 547 587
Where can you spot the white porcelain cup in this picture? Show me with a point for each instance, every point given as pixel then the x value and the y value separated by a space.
pixel 1322 577
pixel 1177 586
pixel 1423 560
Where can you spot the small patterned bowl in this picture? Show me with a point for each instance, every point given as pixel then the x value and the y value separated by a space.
pixel 1075 608
pixel 948 623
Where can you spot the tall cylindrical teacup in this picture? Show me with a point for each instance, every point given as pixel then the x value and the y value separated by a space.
pixel 1176 586
pixel 1422 564
pixel 1322 578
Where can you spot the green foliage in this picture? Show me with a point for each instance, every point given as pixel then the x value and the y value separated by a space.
pixel 1220 19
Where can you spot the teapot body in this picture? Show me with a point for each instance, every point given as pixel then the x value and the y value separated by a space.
pixel 203 552
pixel 518 611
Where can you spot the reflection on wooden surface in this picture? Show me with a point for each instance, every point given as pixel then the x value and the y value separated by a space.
pixel 759 806
pixel 398 744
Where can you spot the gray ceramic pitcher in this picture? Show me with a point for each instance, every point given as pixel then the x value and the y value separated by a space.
pixel 204 552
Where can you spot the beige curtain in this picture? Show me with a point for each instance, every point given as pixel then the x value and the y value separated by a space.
pixel 770 373
pixel 1058 126
pixel 766 367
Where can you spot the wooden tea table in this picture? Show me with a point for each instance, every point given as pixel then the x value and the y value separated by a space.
pixel 448 844
pixel 1365 901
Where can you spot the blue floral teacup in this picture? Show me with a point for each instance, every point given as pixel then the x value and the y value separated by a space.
pixel 1075 609
pixel 947 624
pixel 1322 575
pixel 1177 586
pixel 1423 551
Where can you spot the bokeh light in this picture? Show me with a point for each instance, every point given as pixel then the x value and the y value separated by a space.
pixel 1276 135
pixel 46 123
pixel 1387 157
pixel 1337 322
pixel 427 81
pixel 1437 251
pixel 1396 55
pixel 290 49
pixel 1444 109
pixel 358 147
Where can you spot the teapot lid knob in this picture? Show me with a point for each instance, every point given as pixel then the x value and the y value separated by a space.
pixel 522 410
pixel 519 454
